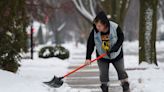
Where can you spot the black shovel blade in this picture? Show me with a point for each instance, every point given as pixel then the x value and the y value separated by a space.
pixel 55 82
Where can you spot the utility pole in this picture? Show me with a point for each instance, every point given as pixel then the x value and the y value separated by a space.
pixel 32 4
pixel 31 37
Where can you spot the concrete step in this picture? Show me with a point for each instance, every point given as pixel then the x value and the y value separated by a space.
pixel 84 74
pixel 97 88
pixel 88 81
pixel 94 66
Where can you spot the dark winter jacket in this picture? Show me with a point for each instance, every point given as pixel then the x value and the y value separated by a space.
pixel 115 48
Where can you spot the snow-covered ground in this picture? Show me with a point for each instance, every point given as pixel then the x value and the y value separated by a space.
pixel 149 80
pixel 32 73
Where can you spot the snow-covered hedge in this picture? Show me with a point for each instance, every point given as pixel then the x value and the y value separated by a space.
pixel 57 51
pixel 61 52
pixel 46 52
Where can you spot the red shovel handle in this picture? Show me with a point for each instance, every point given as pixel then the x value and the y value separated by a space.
pixel 101 56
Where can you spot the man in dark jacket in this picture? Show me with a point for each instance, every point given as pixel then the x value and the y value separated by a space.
pixel 107 37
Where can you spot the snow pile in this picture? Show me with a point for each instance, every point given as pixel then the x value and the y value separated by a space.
pixel 10 82
pixel 150 79
pixel 31 75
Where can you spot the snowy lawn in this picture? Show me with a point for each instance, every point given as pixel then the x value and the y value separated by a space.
pixel 31 75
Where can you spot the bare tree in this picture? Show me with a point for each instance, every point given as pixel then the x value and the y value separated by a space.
pixel 86 8
pixel 117 9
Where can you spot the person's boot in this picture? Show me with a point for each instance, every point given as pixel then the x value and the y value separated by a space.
pixel 125 86
pixel 104 87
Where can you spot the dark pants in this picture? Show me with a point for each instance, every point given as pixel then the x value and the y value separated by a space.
pixel 104 70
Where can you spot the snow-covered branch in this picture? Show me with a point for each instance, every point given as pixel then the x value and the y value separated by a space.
pixel 61 26
pixel 82 9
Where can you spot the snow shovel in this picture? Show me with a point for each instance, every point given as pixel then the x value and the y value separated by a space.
pixel 57 82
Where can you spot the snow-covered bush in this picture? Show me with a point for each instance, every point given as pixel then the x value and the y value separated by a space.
pixel 57 51
pixel 61 52
pixel 46 52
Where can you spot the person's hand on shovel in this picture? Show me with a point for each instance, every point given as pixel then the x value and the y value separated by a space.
pixel 88 62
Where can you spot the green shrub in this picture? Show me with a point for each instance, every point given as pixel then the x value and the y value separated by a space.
pixel 13 36
pixel 46 52
pixel 57 51
pixel 61 52
pixel 11 66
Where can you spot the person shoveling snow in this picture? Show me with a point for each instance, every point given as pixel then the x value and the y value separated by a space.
pixel 107 37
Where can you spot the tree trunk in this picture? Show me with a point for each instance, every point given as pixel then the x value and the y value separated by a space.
pixel 147 32
pixel 117 9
